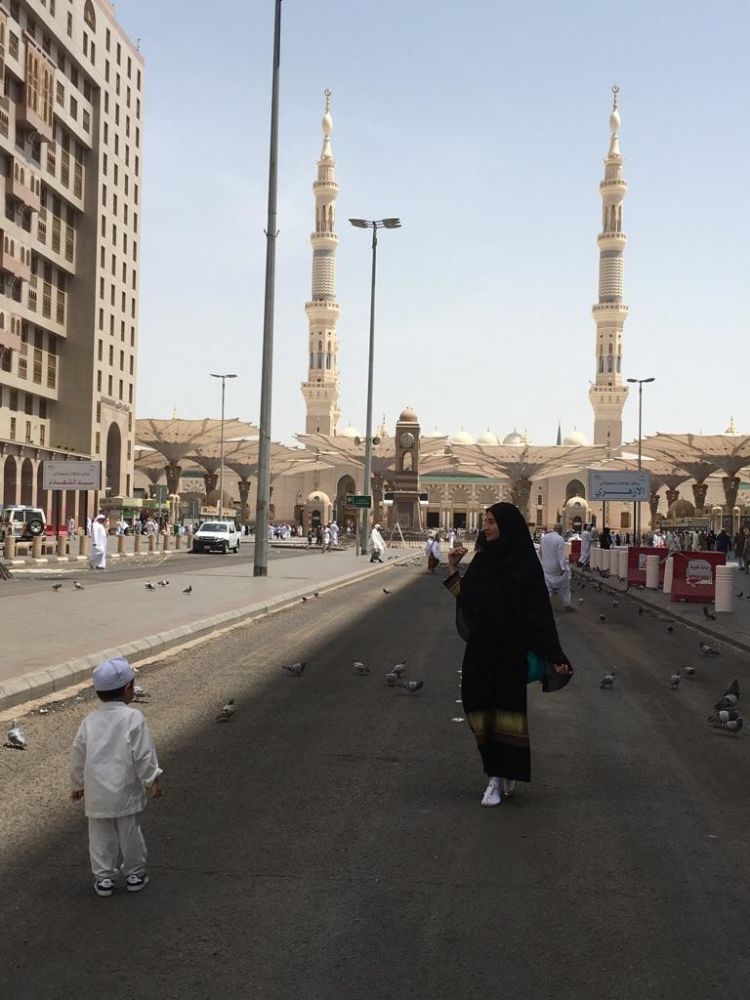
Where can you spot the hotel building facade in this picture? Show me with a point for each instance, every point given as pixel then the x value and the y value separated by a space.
pixel 71 129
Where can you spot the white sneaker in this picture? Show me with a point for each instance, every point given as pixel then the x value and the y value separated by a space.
pixel 509 788
pixel 492 795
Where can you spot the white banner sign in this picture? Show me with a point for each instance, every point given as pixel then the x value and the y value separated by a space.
pixel 72 475
pixel 629 486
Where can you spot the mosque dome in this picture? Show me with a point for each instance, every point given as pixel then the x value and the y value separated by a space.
pixel 434 433
pixel 575 438
pixel 462 438
pixel 514 439
pixel 349 432
pixel 488 438
pixel 318 496
pixel 408 416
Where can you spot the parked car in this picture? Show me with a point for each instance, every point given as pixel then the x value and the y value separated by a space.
pixel 216 536
pixel 23 523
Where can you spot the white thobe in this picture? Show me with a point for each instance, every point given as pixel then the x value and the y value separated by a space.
pixel 555 565
pixel 377 545
pixel 585 547
pixel 114 761
pixel 98 553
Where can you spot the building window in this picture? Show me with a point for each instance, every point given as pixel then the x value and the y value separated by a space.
pixel 109 385
pixel 12 434
pixel 42 435
pixel 98 381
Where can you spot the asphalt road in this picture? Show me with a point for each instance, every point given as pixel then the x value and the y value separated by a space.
pixel 328 842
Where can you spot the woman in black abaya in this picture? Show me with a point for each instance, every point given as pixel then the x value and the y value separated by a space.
pixel 508 624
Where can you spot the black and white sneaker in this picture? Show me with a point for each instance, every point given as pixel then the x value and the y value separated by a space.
pixel 135 883
pixel 104 887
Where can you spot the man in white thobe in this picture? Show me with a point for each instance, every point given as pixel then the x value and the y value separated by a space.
pixel 555 565
pixel 585 546
pixel 98 550
pixel 334 533
pixel 377 545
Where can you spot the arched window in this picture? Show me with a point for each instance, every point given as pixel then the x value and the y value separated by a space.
pixel 320 359
pixel 330 217
pixel 328 360
pixel 89 16
pixel 312 360
pixel 619 219
pixel 610 362
pixel 406 462
pixel 601 363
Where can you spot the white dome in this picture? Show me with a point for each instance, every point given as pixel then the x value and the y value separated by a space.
pixel 349 432
pixel 515 439
pixel 576 502
pixel 435 433
pixel 487 438
pixel 462 438
pixel 575 438
pixel 318 496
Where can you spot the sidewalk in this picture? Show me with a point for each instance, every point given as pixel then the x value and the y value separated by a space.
pixel 732 628
pixel 52 641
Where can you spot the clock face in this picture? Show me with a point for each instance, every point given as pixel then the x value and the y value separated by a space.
pixel 406 440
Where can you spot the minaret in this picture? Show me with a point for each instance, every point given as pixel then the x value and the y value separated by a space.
pixel 607 392
pixel 321 390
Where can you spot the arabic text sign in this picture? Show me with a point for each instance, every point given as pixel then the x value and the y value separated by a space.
pixel 628 486
pixel 72 475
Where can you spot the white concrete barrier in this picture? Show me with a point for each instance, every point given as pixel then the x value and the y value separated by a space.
pixel 652 572
pixel 726 581
pixel 604 556
pixel 622 559
pixel 668 574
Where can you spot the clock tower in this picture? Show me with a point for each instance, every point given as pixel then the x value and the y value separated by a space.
pixel 405 497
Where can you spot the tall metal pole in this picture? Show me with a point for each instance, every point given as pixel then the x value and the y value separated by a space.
pixel 367 486
pixel 260 565
pixel 640 423
pixel 220 505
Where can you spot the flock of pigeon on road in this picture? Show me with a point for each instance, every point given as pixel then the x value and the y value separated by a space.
pixel 725 716
pixel 149 585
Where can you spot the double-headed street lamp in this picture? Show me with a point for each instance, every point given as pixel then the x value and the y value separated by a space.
pixel 640 382
pixel 375 224
pixel 220 505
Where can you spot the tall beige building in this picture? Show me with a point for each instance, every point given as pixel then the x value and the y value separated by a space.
pixel 71 122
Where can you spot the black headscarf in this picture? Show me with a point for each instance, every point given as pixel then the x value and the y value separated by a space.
pixel 504 588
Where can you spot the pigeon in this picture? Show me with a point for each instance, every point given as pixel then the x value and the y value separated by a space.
pixel 390 679
pixel 734 725
pixel 726 719
pixel 733 689
pixel 400 669
pixel 674 681
pixel 188 590
pixel 640 611
pixel 163 583
pixel 140 694
pixel 580 600
pixel 670 629
pixel 305 600
pixel 296 669
pixel 16 738
pixel 316 593
pixel 386 592
pixel 741 593
pixel 78 586
pixel 43 710
pixel 227 711
pixel 708 650
pixel 410 685
pixel 608 681
pixel 709 614
pixel 615 604
pixel 150 586
pixel 56 586
pixel 602 618
pixel 360 668
pixel 689 671
pixel 727 702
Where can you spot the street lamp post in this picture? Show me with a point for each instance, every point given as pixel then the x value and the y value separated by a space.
pixel 640 382
pixel 375 224
pixel 220 504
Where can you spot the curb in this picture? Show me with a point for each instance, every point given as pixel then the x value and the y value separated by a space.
pixel 56 678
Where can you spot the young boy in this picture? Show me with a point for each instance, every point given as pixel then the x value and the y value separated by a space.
pixel 112 765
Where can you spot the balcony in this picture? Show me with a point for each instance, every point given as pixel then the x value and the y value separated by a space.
pixel 25 186
pixel 10 331
pixel 57 235
pixel 15 257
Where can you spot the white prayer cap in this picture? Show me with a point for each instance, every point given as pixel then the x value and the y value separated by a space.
pixel 101 517
pixel 113 674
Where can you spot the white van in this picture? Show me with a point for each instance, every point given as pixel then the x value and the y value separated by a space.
pixel 23 523
pixel 216 536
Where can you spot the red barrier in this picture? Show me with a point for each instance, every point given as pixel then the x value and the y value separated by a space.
pixel 575 550
pixel 694 575
pixel 637 562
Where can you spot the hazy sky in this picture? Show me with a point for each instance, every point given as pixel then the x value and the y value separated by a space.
pixel 483 125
